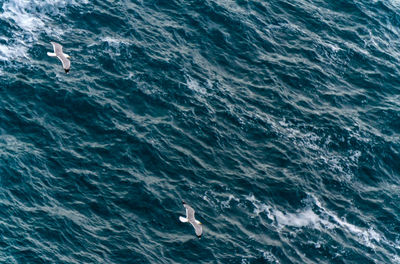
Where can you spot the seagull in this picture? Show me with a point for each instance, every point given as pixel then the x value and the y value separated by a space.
pixel 190 218
pixel 64 58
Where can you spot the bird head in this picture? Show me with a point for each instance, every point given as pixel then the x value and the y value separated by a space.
pixel 68 57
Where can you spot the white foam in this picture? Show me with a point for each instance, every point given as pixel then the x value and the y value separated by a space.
pixel 113 44
pixel 259 207
pixel 7 52
pixel 396 259
pixel 113 41
pixel 32 18
pixel 302 218
pixel 366 236
pixel 325 220
pixel 194 85
pixel 395 3
pixel 270 257
pixel 226 204
pixel 15 11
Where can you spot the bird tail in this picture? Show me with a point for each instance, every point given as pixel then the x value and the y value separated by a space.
pixel 51 54
pixel 183 219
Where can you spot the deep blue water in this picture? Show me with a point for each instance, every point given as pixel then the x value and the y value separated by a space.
pixel 277 121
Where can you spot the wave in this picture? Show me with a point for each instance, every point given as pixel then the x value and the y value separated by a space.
pixel 325 221
pixel 30 19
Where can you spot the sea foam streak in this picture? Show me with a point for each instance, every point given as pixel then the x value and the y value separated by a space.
pixel 324 221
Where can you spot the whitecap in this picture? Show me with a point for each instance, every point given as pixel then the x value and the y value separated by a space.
pixel 302 218
pixel 113 41
pixel 114 44
pixel 320 219
pixel 396 259
pixel 16 11
pixel 259 207
pixel 30 18
pixel 270 257
pixel 7 52
pixel 226 204
pixel 194 85
pixel 33 17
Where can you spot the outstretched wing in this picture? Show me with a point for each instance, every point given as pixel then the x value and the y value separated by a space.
pixel 65 62
pixel 189 212
pixel 59 53
pixel 57 48
pixel 190 217
pixel 197 228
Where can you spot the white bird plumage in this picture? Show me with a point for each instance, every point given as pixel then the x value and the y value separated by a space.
pixel 190 218
pixel 64 58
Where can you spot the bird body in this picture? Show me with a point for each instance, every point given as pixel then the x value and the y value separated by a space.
pixel 190 218
pixel 64 58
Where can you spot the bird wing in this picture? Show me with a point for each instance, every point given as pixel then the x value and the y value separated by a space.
pixel 189 212
pixel 57 48
pixel 59 53
pixel 197 228
pixel 65 62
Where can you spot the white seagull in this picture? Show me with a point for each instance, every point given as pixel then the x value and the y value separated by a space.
pixel 64 58
pixel 190 218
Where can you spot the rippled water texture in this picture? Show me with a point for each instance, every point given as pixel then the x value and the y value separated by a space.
pixel 277 121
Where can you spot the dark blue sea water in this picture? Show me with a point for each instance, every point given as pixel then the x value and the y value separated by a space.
pixel 277 121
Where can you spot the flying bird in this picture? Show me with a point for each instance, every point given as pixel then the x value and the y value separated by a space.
pixel 64 58
pixel 190 218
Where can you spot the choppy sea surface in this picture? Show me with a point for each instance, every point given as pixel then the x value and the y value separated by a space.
pixel 277 121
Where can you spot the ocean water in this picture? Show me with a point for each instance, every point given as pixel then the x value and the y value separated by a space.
pixel 277 121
